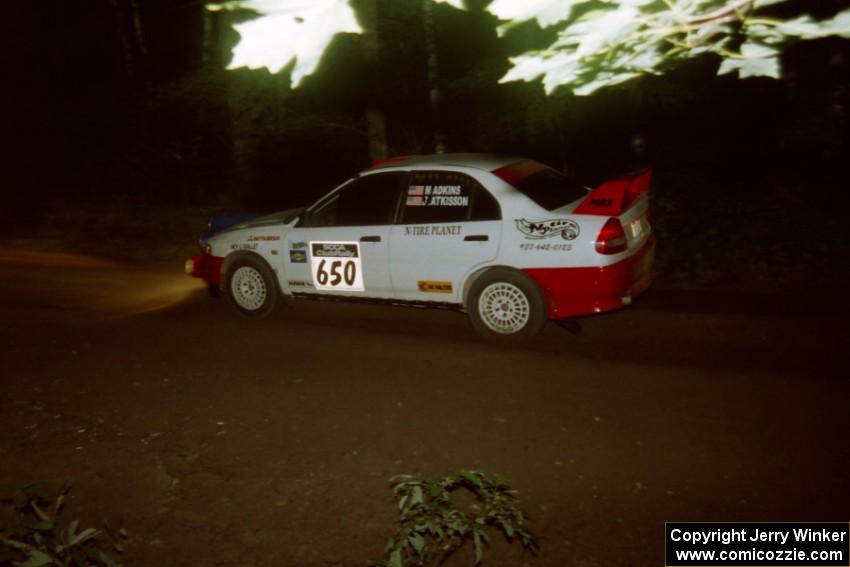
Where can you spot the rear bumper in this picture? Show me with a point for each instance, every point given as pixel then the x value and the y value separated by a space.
pixel 206 267
pixel 584 291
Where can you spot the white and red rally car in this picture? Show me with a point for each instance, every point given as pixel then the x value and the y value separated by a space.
pixel 509 240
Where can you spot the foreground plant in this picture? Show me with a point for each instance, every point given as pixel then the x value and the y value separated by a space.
pixel 438 516
pixel 33 536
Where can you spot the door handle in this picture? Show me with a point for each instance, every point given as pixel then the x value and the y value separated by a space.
pixel 476 238
pixel 370 239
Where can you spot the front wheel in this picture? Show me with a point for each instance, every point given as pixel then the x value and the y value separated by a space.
pixel 506 305
pixel 251 287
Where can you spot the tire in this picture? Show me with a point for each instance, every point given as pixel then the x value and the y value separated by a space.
pixel 251 287
pixel 506 305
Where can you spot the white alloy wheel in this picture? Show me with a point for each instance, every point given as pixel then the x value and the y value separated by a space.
pixel 504 308
pixel 248 288
pixel 506 305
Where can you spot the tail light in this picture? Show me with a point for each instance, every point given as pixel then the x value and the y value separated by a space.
pixel 611 239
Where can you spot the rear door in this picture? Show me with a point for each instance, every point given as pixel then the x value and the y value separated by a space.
pixel 448 224
pixel 341 245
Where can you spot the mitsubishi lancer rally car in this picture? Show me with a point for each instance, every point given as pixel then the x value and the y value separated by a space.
pixel 510 241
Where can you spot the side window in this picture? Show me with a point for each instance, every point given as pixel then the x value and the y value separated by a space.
pixel 446 196
pixel 484 206
pixel 369 200
pixel 324 214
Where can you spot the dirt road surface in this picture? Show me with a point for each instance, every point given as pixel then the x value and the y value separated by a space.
pixel 215 440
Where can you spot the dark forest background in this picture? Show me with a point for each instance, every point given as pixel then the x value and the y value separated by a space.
pixel 123 123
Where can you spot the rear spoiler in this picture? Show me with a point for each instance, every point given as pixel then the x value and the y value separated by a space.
pixel 615 195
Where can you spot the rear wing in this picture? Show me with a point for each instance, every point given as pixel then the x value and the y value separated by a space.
pixel 615 196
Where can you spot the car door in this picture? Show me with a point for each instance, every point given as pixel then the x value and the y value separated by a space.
pixel 448 224
pixel 340 246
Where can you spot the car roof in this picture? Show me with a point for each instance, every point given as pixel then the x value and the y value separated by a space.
pixel 487 162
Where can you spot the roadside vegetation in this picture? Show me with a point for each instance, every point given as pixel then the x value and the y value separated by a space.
pixel 438 516
pixel 32 534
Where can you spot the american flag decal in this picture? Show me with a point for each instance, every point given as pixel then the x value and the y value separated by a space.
pixel 415 201
pixel 416 190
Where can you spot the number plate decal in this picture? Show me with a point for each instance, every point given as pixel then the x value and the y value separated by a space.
pixel 336 266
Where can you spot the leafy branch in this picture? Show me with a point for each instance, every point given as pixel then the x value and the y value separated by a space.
pixel 434 523
pixel 599 43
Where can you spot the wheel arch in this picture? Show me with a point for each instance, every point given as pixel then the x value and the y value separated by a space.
pixel 478 272
pixel 233 257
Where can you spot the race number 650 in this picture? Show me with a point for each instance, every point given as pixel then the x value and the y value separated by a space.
pixel 336 266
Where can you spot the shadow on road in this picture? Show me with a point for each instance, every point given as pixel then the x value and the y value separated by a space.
pixel 673 329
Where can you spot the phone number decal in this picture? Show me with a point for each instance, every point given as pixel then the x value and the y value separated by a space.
pixel 336 266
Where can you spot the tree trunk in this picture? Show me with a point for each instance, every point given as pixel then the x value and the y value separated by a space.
pixel 139 42
pixel 375 117
pixel 433 76
pixel 123 40
pixel 209 46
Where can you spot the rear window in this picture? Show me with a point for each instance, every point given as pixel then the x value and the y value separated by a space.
pixel 545 186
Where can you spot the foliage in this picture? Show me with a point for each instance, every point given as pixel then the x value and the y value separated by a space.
pixel 289 31
pixel 434 523
pixel 36 538
pixel 598 42
pixel 606 43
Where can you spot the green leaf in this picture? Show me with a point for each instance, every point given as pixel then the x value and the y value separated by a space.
pixel 290 30
pixel 34 491
pixel 479 548
pixel 839 25
pixel 762 3
pixel 766 67
pixel 395 559
pixel 107 559
pixel 38 511
pixel 472 477
pixel 416 496
pixel 546 12
pixel 417 541
pixel 36 559
pixel 83 536
pixel 509 529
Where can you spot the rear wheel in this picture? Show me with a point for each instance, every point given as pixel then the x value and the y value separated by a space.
pixel 251 287
pixel 506 305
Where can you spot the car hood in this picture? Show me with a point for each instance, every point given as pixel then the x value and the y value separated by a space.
pixel 280 217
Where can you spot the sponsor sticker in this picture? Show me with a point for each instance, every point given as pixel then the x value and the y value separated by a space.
pixel 537 230
pixel 298 256
pixel 436 196
pixel 263 238
pixel 335 249
pixel 545 247
pixel 434 287
pixel 252 246
pixel 432 230
pixel 336 266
